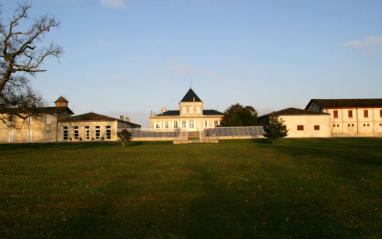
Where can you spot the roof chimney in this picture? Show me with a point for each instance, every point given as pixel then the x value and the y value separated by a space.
pixel 163 110
pixel 121 117
pixel 127 119
pixel 151 113
pixel 193 98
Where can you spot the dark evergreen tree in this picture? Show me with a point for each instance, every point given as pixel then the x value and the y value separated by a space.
pixel 275 128
pixel 237 115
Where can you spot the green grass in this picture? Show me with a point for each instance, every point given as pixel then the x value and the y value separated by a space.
pixel 298 188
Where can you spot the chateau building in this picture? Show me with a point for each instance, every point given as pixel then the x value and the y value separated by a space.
pixel 302 123
pixel 351 117
pixel 191 116
pixel 333 118
pixel 56 124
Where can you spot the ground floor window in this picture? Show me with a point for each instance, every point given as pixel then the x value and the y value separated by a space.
pixel 10 136
pixel 191 124
pixel 30 136
pixel 166 124
pixel 97 132
pixel 216 123
pixel 75 132
pixel 176 125
pixel 108 132
pixel 65 133
pixel 316 127
pixel 184 124
pixel 205 124
pixel 300 127
pixel 87 132
pixel 157 125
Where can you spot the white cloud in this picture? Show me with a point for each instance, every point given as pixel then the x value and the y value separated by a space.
pixel 369 45
pixel 179 68
pixel 113 3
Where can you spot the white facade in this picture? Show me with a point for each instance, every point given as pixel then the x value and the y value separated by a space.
pixel 190 117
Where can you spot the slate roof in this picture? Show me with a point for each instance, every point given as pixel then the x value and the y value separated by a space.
pixel 346 103
pixel 189 97
pixel 294 111
pixel 177 113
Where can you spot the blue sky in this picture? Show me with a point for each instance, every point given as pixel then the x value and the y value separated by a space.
pixel 130 57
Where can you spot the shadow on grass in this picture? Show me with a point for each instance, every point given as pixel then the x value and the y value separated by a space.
pixel 135 143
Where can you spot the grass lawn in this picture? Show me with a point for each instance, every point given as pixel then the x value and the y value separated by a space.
pixel 298 188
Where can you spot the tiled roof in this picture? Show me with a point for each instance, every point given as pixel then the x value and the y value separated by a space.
pixel 90 117
pixel 177 113
pixel 40 110
pixel 61 99
pixel 190 96
pixel 294 111
pixel 345 103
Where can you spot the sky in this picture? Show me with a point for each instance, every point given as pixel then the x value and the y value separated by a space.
pixel 130 57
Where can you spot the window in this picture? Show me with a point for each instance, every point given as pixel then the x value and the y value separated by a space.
pixel 316 127
pixel 350 114
pixel 184 124
pixel 10 136
pixel 334 125
pixel 300 127
pixel 48 119
pixel 166 124
pixel 108 132
pixel 191 110
pixel 157 124
pixel 184 110
pixel 48 131
pixel 97 132
pixel 348 125
pixel 335 113
pixel 284 128
pixel 352 125
pixel 65 133
pixel 206 124
pixel 176 125
pixel 191 123
pixel 366 113
pixel 380 113
pixel 75 132
pixel 198 110
pixel 216 123
pixel 87 133
pixel 30 136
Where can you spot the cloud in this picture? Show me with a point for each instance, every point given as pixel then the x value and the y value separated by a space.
pixel 179 68
pixel 367 46
pixel 113 3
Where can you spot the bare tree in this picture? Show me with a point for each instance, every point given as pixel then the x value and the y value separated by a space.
pixel 21 54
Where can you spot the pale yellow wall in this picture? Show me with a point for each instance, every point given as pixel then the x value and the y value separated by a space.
pixel 191 108
pixel 199 122
pixel 358 125
pixel 34 130
pixel 92 130
pixel 308 121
